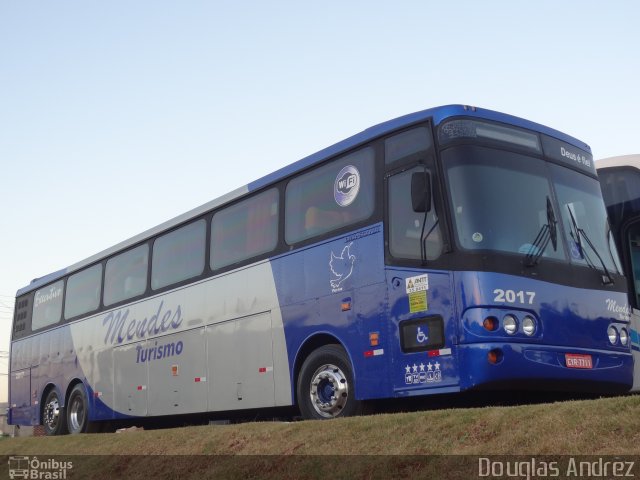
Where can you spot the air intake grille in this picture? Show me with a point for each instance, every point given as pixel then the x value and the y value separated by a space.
pixel 22 318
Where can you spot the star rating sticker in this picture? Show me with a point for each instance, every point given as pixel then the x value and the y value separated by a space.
pixel 429 367
pixel 421 367
pixel 437 366
pixel 415 368
pixel 407 369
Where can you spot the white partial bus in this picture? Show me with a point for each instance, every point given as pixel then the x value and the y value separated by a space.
pixel 620 182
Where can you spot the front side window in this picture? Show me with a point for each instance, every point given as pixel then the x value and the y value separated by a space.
pixel 83 292
pixel 179 255
pixel 407 145
pixel 330 197
pixel 47 306
pixel 406 227
pixel 126 275
pixel 244 230
pixel 499 200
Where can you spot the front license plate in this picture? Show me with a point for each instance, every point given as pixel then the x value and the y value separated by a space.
pixel 576 360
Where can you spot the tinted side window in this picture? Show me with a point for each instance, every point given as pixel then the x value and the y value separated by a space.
pixel 83 292
pixel 406 226
pixel 126 275
pixel 245 230
pixel 47 305
pixel 330 197
pixel 178 255
pixel 406 145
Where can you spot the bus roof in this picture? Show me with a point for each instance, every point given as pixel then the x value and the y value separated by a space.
pixel 620 161
pixel 437 114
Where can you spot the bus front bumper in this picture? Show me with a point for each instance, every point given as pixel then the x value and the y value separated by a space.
pixel 543 367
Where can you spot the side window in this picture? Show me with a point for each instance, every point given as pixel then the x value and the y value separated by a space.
pixel 413 150
pixel 244 230
pixel 83 292
pixel 126 275
pixel 330 197
pixel 406 226
pixel 47 306
pixel 178 255
pixel 409 146
pixel 633 242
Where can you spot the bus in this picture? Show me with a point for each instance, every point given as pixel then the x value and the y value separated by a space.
pixel 448 250
pixel 620 181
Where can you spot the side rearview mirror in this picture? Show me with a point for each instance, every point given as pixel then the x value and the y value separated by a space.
pixel 421 191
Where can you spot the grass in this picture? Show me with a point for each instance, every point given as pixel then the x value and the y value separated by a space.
pixel 608 426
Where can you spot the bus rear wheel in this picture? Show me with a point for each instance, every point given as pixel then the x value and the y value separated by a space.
pixel 53 418
pixel 77 410
pixel 325 385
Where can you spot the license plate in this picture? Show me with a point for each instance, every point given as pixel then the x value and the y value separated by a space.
pixel 576 360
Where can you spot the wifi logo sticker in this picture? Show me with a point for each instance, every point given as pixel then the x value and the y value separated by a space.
pixel 346 186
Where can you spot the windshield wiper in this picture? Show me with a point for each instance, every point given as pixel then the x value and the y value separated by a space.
pixel 548 232
pixel 607 279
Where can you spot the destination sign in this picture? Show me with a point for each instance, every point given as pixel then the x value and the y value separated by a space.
pixel 568 154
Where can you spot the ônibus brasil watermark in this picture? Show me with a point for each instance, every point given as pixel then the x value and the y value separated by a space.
pixel 38 469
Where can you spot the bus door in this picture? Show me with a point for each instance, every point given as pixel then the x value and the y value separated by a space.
pixel 421 314
pixel 21 411
pixel 20 383
pixel 632 248
pixel 420 297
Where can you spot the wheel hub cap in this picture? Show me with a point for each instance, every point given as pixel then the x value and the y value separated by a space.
pixel 329 391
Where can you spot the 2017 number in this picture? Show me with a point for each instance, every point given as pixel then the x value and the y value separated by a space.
pixel 512 296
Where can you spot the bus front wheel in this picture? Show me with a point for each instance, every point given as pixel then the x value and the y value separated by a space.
pixel 325 385
pixel 78 410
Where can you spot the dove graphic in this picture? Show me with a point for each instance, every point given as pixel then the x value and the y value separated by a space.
pixel 342 266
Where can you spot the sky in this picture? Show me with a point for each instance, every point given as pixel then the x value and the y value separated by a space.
pixel 116 116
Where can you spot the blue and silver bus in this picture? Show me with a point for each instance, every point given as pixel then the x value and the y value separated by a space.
pixel 448 250
pixel 620 181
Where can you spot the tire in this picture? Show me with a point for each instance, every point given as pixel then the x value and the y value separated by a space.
pixel 78 410
pixel 53 416
pixel 325 385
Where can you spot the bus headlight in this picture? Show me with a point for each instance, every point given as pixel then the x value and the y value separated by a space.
pixel 624 336
pixel 510 324
pixel 613 334
pixel 528 326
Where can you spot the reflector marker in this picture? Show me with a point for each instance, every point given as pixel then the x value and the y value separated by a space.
pixel 200 379
pixel 439 353
pixel 142 387
pixel 374 353
pixel 265 369
pixel 97 394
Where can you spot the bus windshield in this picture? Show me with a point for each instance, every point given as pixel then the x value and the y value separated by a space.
pixel 582 208
pixel 498 202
